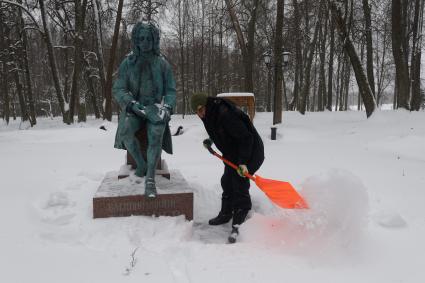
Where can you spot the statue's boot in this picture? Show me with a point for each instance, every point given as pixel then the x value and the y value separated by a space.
pixel 155 132
pixel 134 149
pixel 150 188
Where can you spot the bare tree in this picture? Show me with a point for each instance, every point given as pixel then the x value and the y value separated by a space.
pixel 4 70
pixel 349 49
pixel 307 71
pixel 331 65
pixel 76 99
pixel 108 87
pixel 369 45
pixel 64 107
pixel 246 45
pixel 399 53
pixel 99 47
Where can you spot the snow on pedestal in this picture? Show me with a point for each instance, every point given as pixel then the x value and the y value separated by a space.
pixel 224 94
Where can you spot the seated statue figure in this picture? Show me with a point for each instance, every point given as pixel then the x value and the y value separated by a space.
pixel 145 90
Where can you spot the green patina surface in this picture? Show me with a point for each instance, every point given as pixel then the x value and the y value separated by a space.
pixel 145 81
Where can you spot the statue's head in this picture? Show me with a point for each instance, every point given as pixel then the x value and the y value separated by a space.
pixel 145 39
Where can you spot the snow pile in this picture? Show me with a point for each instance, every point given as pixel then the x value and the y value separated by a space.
pixel 389 219
pixel 335 221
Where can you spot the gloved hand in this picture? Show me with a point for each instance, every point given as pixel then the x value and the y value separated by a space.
pixel 207 143
pixel 137 109
pixel 242 170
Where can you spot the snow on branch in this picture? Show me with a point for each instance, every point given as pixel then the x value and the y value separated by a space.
pixel 63 46
pixel 25 10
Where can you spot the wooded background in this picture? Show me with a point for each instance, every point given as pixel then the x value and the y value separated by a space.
pixel 58 57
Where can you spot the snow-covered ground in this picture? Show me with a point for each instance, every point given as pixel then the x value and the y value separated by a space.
pixel 364 180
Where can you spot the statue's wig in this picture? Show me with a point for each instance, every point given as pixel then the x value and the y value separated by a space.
pixel 155 35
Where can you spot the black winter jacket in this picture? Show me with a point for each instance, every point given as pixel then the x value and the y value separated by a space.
pixel 233 133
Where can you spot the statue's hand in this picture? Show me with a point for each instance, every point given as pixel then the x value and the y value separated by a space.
pixel 137 109
pixel 152 114
pixel 165 112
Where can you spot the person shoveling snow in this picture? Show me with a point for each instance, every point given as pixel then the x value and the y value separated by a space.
pixel 236 137
pixel 231 130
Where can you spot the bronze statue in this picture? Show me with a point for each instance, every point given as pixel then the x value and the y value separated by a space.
pixel 145 90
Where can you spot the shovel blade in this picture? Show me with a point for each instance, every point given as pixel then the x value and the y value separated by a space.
pixel 281 193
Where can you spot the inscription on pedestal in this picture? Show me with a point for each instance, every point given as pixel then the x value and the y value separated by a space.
pixel 162 205
pixel 125 207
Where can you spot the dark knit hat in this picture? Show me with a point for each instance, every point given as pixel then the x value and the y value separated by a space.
pixel 198 99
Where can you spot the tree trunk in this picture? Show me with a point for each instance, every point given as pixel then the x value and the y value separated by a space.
pixel 402 75
pixel 99 49
pixel 416 56
pixel 181 38
pixel 201 63
pixel 4 76
pixel 306 85
pixel 298 57
pixel 278 72
pixel 19 91
pixel 369 45
pixel 194 59
pixel 362 82
pixel 331 65
pixel 220 57
pixel 315 91
pixel 32 114
pixel 347 85
pixel 108 86
pixel 338 82
pixel 74 101
pixel 13 60
pixel 285 96
pixel 269 90
pixel 210 54
pixel 322 79
pixel 382 70
pixel 91 89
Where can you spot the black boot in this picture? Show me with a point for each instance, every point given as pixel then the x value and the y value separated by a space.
pixel 221 218
pixel 225 213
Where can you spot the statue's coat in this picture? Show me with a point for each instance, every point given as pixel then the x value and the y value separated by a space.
pixel 146 79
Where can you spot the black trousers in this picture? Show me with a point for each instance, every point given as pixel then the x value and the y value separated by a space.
pixel 236 189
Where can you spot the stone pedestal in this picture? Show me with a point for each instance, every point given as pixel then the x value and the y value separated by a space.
pixel 125 197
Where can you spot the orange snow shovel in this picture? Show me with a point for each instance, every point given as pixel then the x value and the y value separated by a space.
pixel 281 193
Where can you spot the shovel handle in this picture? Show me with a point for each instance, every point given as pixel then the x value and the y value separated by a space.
pixel 228 162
